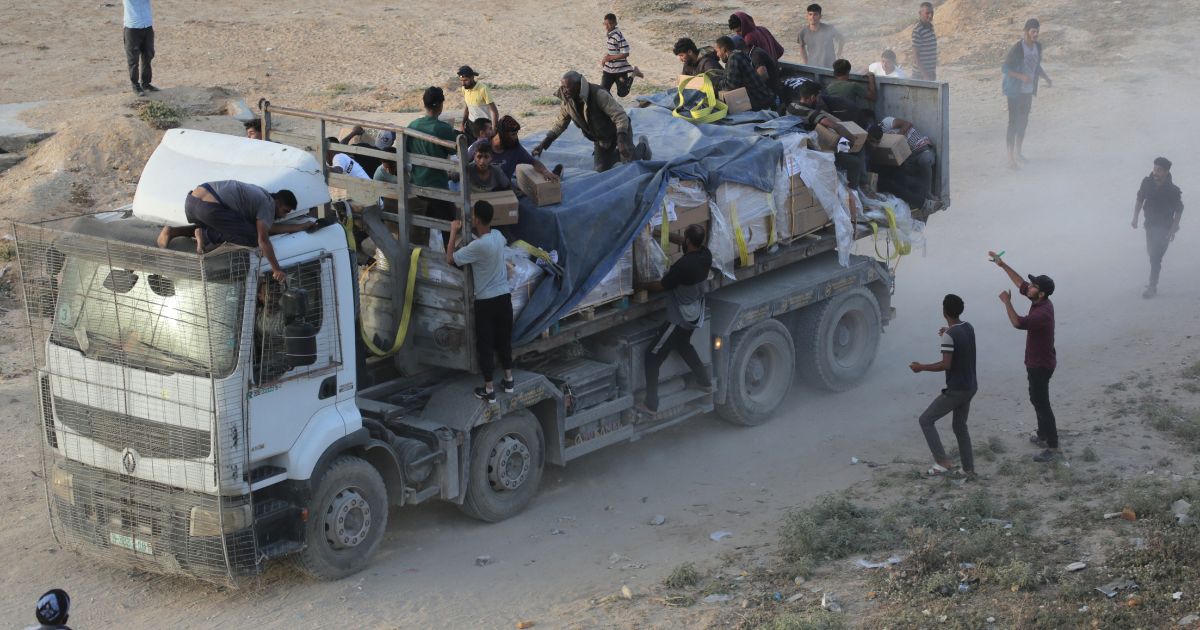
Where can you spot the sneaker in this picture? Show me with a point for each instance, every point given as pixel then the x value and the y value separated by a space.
pixel 149 88
pixel 508 386
pixel 1039 441
pixel 1150 292
pixel 641 408
pixel 483 394
pixel 1047 456
pixel 137 89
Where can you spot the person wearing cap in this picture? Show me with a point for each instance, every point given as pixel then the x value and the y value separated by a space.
pixel 1022 68
pixel 360 166
pixel 601 119
pixel 1040 357
pixel 1163 202
pixel 507 151
pixel 958 362
pixel 53 610
pixel 432 124
pixel 477 101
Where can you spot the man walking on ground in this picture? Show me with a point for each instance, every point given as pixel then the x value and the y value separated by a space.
pixel 686 281
pixel 958 362
pixel 617 70
pixel 1022 69
pixel 238 213
pixel 601 119
pixel 820 44
pixel 139 44
pixel 1163 202
pixel 493 301
pixel 1040 358
pixel 924 44
pixel 477 101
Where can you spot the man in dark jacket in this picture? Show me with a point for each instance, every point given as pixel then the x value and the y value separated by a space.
pixel 740 73
pixel 695 61
pixel 1022 69
pixel 1162 201
pixel 601 119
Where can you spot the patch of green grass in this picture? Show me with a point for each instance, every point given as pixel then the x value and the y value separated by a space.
pixel 996 445
pixel 683 576
pixel 1089 455
pixel 1151 498
pixel 1019 575
pixel 1182 424
pixel 644 87
pixel 343 88
pixel 1192 371
pixel 159 114
pixel 527 114
pixel 1115 387
pixel 833 528
pixel 516 86
pixel 545 101
pixel 818 620
pixel 8 251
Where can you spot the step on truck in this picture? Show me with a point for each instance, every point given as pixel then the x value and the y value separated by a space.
pixel 197 418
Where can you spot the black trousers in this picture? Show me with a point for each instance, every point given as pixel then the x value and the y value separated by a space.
pixel 139 48
pixel 623 81
pixel 220 223
pixel 854 165
pixel 671 337
pixel 1018 117
pixel 959 403
pixel 493 334
pixel 1039 395
pixel 1158 237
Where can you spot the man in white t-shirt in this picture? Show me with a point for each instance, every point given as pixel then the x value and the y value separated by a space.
pixel 887 66
pixel 341 163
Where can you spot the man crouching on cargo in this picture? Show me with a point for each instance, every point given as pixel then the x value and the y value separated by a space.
pixel 493 300
pixel 686 281
pixel 238 213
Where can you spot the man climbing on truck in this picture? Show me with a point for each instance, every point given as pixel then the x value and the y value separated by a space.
pixel 493 300
pixel 238 213
pixel 685 281
pixel 601 119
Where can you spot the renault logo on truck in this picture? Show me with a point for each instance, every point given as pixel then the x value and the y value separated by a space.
pixel 129 460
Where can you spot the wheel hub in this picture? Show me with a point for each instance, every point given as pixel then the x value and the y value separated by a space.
pixel 508 466
pixel 756 370
pixel 348 519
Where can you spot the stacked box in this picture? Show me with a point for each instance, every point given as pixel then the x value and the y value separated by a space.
pixel 504 206
pixel 618 283
pixel 754 216
pixel 827 138
pixel 804 211
pixel 541 189
pixel 738 100
pixel 892 150
pixel 855 134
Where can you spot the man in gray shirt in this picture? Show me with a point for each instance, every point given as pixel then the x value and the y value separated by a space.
pixel 235 212
pixel 493 298
pixel 820 44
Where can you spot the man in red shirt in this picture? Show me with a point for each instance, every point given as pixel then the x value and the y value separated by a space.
pixel 1040 358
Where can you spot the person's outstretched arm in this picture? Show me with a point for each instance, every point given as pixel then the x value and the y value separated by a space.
pixel 1012 274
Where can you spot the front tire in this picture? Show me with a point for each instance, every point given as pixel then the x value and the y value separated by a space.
pixel 760 374
pixel 347 517
pixel 507 457
pixel 838 339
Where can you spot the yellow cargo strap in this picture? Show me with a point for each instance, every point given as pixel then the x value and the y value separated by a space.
pixel 402 330
pixel 533 250
pixel 664 235
pixel 771 220
pixel 348 225
pixel 902 248
pixel 738 236
pixel 711 110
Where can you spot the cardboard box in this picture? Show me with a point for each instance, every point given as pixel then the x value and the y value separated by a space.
pixel 827 139
pixel 504 206
pixel 892 150
pixel 855 134
pixel 693 83
pixel 542 190
pixel 738 100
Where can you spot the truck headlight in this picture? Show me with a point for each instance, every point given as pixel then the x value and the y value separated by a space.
pixel 206 522
pixel 62 484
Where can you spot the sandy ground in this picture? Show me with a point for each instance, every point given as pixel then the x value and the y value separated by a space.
pixel 1115 105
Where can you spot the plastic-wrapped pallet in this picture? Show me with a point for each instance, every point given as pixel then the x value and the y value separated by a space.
pixel 746 222
pixel 523 277
pixel 650 262
pixel 618 283
pixel 681 195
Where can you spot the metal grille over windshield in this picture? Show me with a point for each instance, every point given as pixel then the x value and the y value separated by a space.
pixel 138 353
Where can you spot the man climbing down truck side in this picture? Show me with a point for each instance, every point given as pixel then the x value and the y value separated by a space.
pixel 686 281
pixel 238 213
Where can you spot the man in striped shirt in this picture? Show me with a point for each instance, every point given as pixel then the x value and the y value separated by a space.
pixel 922 158
pixel 617 70
pixel 924 43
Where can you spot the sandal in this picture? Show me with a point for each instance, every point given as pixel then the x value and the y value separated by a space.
pixel 937 470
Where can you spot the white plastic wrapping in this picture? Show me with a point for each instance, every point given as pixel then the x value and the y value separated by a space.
pixel 817 170
pixel 650 263
pixel 618 283
pixel 680 194
pixel 909 233
pixel 749 209
pixel 523 277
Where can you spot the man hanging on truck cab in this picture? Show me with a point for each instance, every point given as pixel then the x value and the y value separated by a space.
pixel 238 213
pixel 493 299
pixel 686 281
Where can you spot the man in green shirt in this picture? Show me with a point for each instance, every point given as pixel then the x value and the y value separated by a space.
pixel 434 99
pixel 862 96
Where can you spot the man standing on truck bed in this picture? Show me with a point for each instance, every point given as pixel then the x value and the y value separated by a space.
pixel 433 99
pixel 493 298
pixel 1040 357
pixel 601 119
pixel 1163 202
pixel 686 281
pixel 235 212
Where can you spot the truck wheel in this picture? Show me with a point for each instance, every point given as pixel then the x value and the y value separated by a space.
pixel 506 467
pixel 838 339
pixel 346 520
pixel 760 374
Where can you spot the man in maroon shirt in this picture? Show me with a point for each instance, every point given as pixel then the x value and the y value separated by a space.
pixel 1040 359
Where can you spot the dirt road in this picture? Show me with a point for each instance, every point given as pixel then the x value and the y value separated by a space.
pixel 1066 215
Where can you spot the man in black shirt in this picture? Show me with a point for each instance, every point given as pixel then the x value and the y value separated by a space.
pixel 958 362
pixel 1163 203
pixel 685 281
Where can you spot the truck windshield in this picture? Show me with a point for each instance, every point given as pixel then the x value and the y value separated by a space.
pixel 144 320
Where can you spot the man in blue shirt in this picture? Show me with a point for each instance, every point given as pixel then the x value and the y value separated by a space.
pixel 139 44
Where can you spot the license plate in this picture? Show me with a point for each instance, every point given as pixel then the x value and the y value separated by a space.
pixel 130 543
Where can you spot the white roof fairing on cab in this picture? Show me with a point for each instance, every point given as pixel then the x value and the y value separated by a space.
pixel 187 158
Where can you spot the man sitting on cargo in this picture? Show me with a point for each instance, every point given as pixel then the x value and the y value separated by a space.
pixel 601 119
pixel 493 300
pixel 686 281
pixel 816 110
pixel 485 176
pixel 740 73
pixel 919 164
pixel 339 162
pixel 238 213
pixel 860 95
pixel 695 61
pixel 507 151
